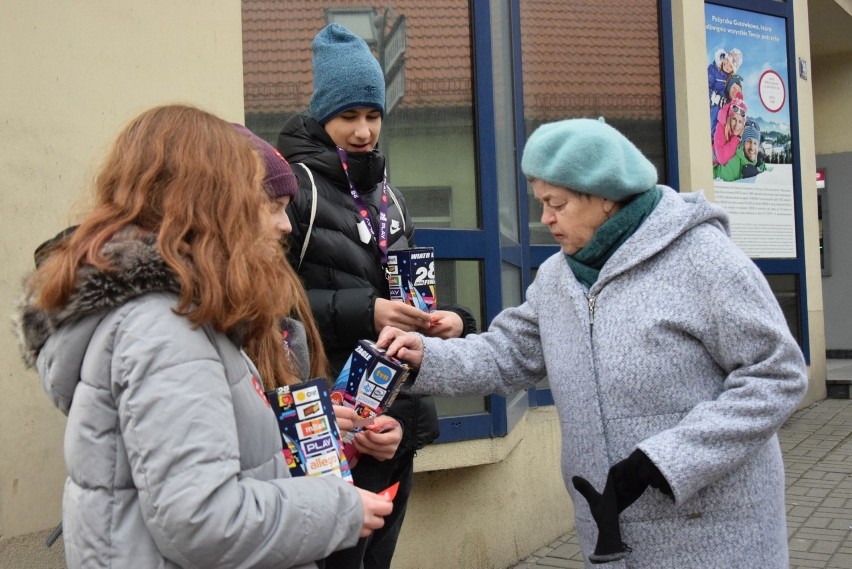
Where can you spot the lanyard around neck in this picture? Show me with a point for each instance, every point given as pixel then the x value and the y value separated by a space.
pixel 381 238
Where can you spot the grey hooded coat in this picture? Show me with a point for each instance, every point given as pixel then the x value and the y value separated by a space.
pixel 174 458
pixel 679 349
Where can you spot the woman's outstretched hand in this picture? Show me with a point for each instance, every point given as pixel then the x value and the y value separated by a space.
pixel 403 345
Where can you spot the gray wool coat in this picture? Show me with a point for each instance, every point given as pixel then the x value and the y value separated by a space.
pixel 679 349
pixel 174 458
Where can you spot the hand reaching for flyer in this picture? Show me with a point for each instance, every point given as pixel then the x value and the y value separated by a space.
pixel 403 345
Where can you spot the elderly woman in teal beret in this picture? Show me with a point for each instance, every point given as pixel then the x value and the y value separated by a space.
pixel 670 362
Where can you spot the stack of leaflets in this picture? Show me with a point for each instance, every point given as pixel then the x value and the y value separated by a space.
pixel 312 444
pixel 368 383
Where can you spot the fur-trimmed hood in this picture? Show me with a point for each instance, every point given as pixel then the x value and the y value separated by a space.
pixel 138 269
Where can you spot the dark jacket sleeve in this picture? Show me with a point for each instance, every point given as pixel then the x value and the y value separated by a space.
pixel 343 316
pixel 468 320
pixel 419 420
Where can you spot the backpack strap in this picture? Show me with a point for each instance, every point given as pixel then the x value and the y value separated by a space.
pixel 313 214
pixel 396 202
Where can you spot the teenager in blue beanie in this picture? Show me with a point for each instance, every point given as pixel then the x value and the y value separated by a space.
pixel 346 217
pixel 346 74
pixel 670 362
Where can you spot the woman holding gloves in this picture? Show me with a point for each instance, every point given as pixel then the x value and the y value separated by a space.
pixel 670 362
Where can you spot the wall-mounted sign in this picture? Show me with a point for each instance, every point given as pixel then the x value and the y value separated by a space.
pixel 748 87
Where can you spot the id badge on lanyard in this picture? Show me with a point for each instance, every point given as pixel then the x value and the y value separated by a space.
pixel 380 238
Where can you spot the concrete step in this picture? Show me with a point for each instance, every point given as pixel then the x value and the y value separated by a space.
pixel 839 378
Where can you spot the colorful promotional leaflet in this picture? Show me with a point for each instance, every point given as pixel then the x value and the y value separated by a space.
pixel 411 277
pixel 369 383
pixel 305 416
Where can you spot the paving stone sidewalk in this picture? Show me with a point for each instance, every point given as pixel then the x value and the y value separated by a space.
pixel 817 446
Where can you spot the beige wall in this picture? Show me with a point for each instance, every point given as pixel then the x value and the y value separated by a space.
pixel 832 84
pixel 487 503
pixel 73 74
pixel 807 157
pixel 693 121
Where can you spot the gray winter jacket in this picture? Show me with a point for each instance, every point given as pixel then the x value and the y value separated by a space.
pixel 679 349
pixel 174 458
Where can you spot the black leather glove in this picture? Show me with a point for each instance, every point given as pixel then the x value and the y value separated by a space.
pixel 626 482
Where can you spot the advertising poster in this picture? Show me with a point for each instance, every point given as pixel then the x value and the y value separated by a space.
pixel 749 96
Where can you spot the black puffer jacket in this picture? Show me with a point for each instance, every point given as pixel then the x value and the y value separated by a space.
pixel 342 274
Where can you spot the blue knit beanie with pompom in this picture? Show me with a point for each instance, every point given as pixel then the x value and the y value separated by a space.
pixel 588 156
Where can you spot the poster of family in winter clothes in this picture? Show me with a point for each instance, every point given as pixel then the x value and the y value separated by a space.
pixel 748 99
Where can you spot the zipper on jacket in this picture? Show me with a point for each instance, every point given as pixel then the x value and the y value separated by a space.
pixel 591 300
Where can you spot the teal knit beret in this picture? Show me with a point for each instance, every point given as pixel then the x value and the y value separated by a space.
pixel 587 156
pixel 346 74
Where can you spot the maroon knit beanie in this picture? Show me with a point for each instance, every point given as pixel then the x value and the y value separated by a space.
pixel 280 180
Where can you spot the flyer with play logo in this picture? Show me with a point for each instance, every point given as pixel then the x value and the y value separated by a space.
pixel 369 383
pixel 312 444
